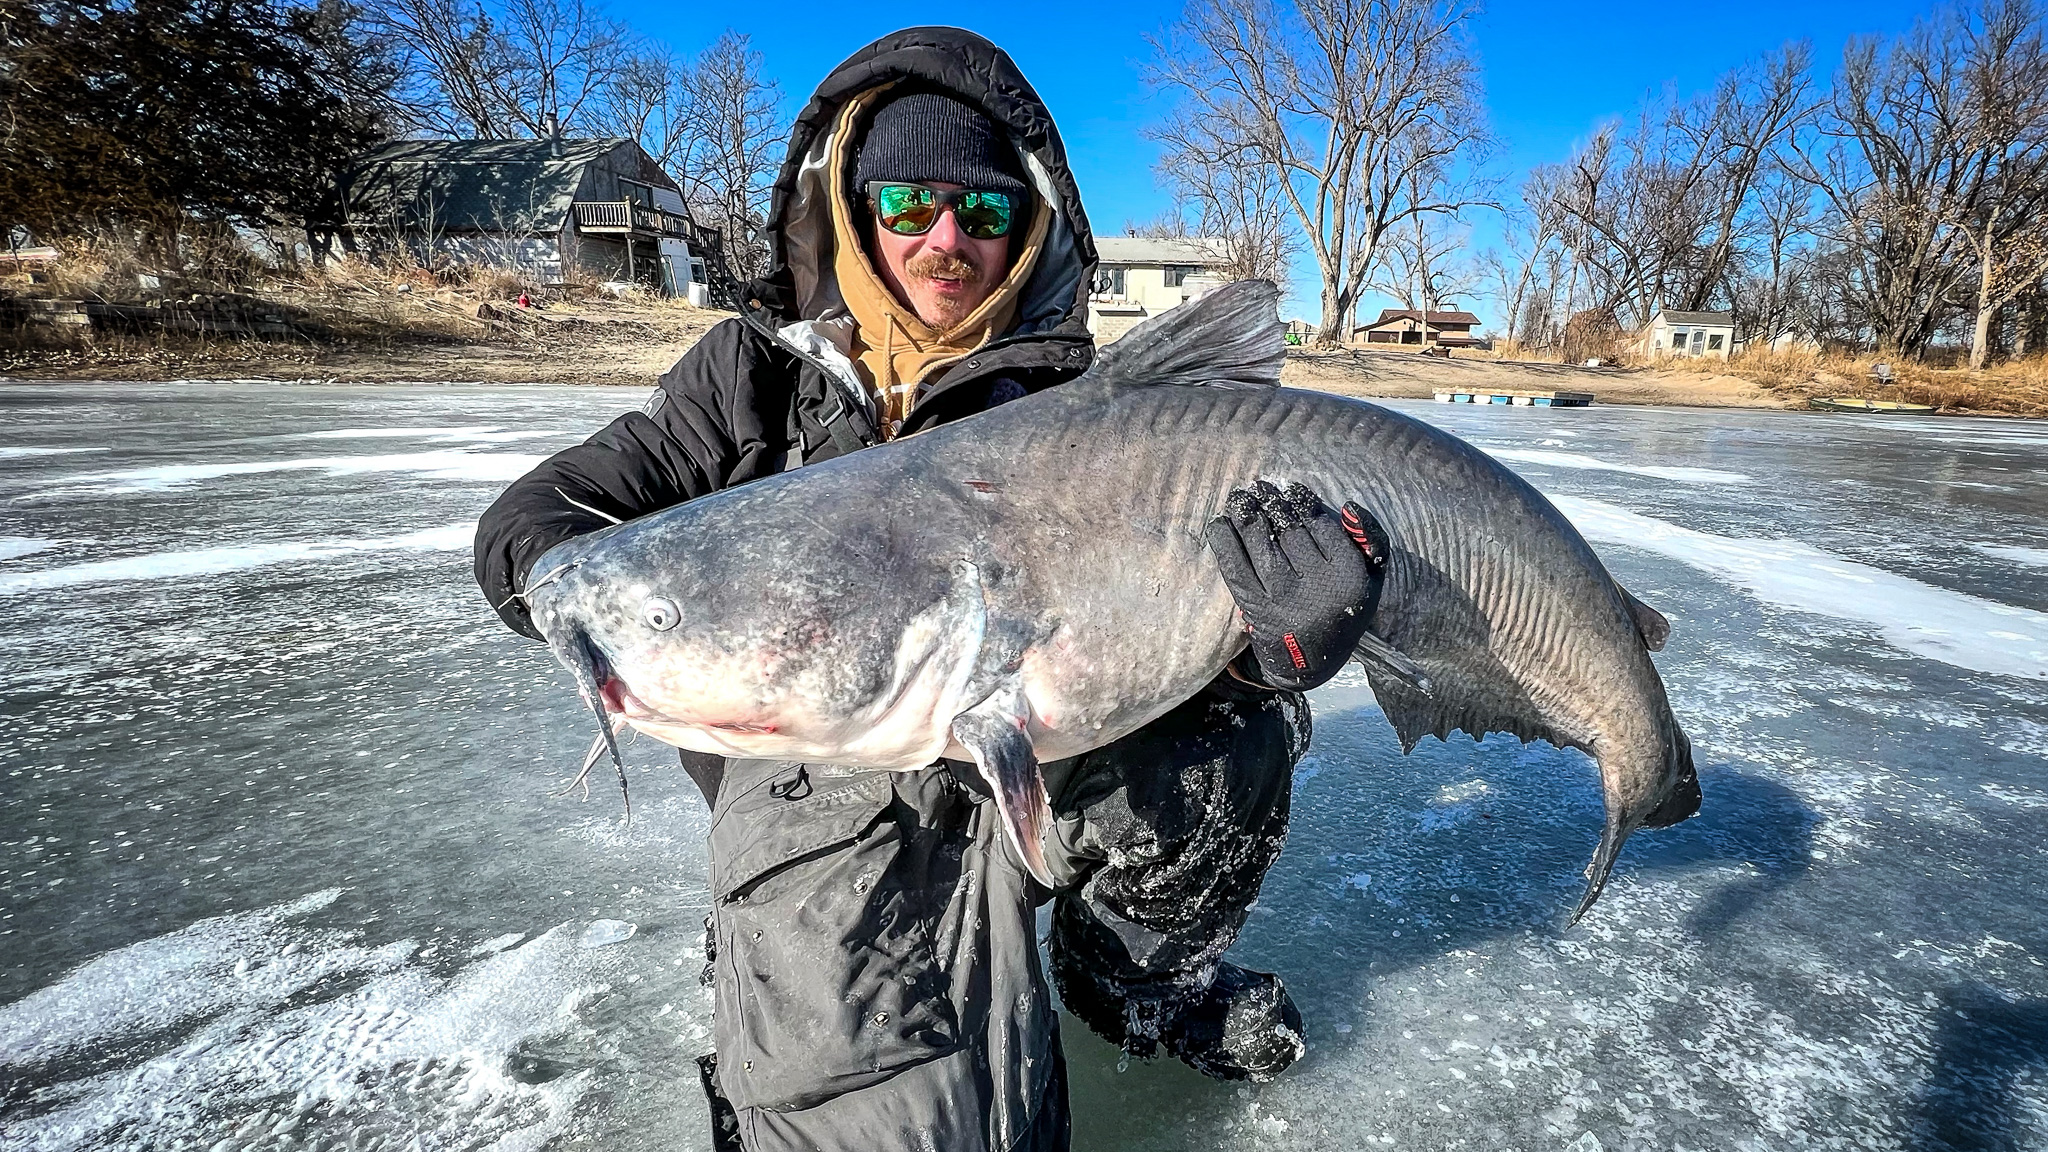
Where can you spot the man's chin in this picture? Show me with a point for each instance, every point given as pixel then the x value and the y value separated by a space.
pixel 943 308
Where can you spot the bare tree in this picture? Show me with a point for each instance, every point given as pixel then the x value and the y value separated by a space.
pixel 1234 196
pixel 1736 136
pixel 1419 262
pixel 1899 163
pixel 647 99
pixel 728 158
pixel 562 56
pixel 1356 106
pixel 519 68
pixel 1662 212
pixel 1516 271
pixel 454 63
pixel 2007 80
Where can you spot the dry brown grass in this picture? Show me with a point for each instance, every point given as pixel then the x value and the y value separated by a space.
pixel 2016 388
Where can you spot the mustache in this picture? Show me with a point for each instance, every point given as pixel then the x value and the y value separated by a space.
pixel 952 265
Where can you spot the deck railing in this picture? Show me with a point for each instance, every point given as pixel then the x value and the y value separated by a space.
pixel 626 216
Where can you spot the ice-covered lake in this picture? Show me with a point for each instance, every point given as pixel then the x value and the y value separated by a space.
pixel 280 866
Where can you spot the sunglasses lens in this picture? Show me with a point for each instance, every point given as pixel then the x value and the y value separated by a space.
pixel 984 215
pixel 906 208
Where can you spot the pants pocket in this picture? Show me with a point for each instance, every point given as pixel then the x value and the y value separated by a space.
pixel 825 910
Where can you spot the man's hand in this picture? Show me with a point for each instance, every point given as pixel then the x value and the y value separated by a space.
pixel 1305 579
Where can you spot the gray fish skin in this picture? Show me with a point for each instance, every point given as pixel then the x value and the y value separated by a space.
pixel 1032 583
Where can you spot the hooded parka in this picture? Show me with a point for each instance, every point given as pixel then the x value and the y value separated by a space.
pixel 776 387
pixel 872 945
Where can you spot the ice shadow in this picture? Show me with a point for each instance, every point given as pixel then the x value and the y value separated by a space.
pixel 1986 1042
pixel 1394 862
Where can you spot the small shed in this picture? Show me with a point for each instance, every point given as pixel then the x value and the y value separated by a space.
pixel 558 210
pixel 1418 328
pixel 1706 334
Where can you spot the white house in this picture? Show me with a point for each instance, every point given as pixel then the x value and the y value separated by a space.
pixel 1709 334
pixel 1139 277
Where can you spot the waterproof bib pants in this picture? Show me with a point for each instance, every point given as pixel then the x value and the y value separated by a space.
pixel 873 941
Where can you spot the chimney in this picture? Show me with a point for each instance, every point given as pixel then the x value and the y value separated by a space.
pixel 554 127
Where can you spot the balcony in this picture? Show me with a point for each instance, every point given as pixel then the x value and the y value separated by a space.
pixel 626 218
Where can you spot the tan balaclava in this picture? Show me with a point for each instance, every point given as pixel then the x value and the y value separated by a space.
pixel 897 352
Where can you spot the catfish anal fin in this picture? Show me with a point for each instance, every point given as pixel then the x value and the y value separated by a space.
pixel 994 733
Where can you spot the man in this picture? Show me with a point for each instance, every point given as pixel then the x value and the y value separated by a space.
pixel 872 939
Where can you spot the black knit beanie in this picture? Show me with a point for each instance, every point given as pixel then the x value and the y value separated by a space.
pixel 928 136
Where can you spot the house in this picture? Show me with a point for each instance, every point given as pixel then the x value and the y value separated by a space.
pixel 1138 277
pixel 1419 329
pixel 561 211
pixel 1709 334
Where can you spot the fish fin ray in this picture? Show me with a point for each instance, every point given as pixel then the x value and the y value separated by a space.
pixel 1375 653
pixel 1651 624
pixel 1231 338
pixel 994 732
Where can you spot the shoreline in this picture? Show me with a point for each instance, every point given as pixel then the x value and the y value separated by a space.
pixel 634 353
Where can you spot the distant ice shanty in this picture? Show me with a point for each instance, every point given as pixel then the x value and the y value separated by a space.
pixel 558 210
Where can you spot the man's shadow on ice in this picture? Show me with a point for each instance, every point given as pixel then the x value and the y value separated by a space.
pixel 1986 1043
pixel 1393 861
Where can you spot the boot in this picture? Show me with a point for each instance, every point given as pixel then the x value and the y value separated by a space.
pixel 1244 1027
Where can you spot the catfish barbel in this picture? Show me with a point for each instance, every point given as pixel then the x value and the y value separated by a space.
pixel 1032 583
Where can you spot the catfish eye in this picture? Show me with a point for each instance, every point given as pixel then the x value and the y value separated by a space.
pixel 660 613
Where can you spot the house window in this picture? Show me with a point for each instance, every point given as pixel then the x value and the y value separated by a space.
pixel 1109 281
pixel 1678 339
pixel 1176 273
pixel 1714 342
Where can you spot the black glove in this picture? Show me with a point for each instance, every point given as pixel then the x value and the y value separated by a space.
pixel 1306 581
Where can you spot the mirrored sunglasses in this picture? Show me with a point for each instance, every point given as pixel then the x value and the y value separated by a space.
pixel 912 209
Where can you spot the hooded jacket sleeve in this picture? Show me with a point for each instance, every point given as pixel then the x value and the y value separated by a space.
pixel 717 419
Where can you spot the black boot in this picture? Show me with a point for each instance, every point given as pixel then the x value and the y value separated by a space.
pixel 1244 1027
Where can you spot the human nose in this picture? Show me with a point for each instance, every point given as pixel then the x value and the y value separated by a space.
pixel 945 231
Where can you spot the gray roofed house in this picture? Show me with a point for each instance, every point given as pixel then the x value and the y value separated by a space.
pixel 558 210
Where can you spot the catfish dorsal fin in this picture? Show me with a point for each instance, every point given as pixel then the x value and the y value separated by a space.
pixel 1230 338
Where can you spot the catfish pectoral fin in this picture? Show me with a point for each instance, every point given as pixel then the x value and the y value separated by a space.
pixel 1002 750
pixel 1374 652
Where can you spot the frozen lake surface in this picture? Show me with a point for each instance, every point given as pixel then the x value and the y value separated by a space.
pixel 280 865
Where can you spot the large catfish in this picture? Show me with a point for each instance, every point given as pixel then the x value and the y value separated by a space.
pixel 1032 583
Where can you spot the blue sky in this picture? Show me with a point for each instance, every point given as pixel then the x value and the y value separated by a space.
pixel 1552 71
